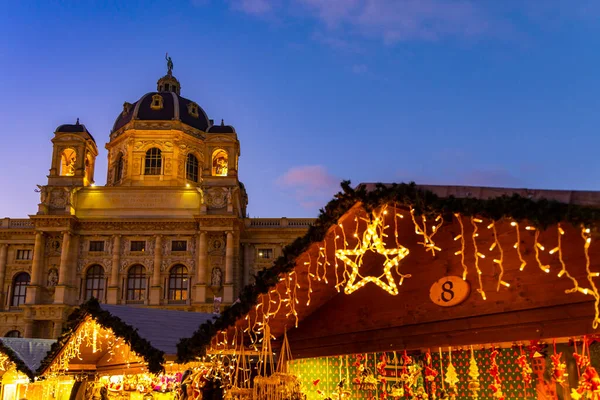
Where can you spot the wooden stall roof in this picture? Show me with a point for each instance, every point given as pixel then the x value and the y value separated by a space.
pixel 152 333
pixel 26 354
pixel 370 319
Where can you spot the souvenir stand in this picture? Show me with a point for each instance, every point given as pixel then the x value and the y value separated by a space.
pixel 412 292
pixel 120 352
pixel 19 359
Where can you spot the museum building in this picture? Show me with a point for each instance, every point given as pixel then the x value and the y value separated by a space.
pixel 169 229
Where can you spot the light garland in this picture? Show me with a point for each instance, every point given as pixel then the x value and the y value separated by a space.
pixel 372 241
pixel 517 245
pixel 587 238
pixel 427 242
pixel 498 261
pixel 478 255
pixel 461 252
pixel 92 335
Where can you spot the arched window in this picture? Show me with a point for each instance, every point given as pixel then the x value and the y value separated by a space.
pixel 153 163
pixel 191 168
pixel 68 158
pixel 220 164
pixel 94 282
pixel 119 168
pixel 136 283
pixel 178 283
pixel 19 289
pixel 13 333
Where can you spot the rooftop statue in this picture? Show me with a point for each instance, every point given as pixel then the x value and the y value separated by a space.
pixel 169 64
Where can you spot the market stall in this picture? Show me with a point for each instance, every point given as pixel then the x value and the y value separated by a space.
pixel 127 353
pixel 401 291
pixel 19 359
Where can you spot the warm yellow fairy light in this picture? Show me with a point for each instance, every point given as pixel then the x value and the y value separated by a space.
pixel 585 235
pixel 477 256
pixel 371 241
pixel 427 242
pixel 500 261
pixel 462 246
pixel 537 247
pixel 517 245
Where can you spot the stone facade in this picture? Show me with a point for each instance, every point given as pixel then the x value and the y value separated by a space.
pixel 168 230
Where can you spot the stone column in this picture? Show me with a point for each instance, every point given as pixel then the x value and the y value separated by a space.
pixel 200 287
pixel 156 287
pixel 247 255
pixel 63 272
pixel 60 295
pixel 36 269
pixel 3 253
pixel 228 287
pixel 112 297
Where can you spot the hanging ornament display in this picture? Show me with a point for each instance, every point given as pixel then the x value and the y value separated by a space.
pixel 558 368
pixel 451 377
pixel 526 371
pixel 589 381
pixel 496 384
pixel 474 385
pixel 398 387
pixel 430 374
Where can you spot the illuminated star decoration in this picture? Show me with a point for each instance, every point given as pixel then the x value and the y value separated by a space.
pixel 372 241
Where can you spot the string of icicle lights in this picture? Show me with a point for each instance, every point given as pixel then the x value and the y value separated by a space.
pixel 482 247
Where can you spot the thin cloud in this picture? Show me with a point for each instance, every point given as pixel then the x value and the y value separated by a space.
pixel 359 69
pixel 310 185
pixel 254 7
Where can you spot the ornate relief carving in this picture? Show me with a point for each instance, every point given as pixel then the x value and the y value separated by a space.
pixel 147 262
pixel 52 277
pixel 142 144
pixel 168 166
pixel 53 245
pixel 83 263
pixel 148 226
pixel 216 244
pixel 58 198
pixel 217 197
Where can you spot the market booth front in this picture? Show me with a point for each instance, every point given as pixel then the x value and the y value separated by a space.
pixel 401 291
pixel 125 352
pixel 19 359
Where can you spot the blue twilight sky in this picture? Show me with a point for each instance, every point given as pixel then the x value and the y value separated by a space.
pixel 480 92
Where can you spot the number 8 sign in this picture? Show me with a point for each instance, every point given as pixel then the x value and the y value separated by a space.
pixel 449 291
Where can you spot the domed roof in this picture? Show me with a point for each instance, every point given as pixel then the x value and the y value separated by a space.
pixel 74 128
pixel 164 106
pixel 221 128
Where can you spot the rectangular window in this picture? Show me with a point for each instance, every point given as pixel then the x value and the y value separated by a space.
pixel 138 245
pixel 179 245
pixel 265 254
pixel 24 254
pixel 97 245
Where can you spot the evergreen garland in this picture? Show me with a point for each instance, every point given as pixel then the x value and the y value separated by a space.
pixel 541 213
pixel 154 357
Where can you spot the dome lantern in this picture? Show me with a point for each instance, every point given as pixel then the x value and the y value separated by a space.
pixel 168 83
